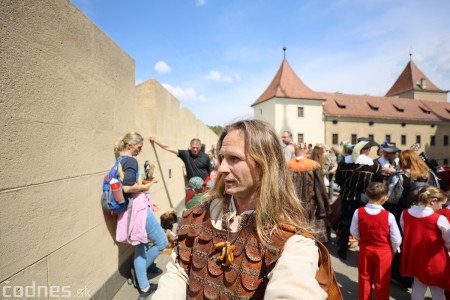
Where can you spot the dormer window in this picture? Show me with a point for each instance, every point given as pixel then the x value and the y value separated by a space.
pixel 426 111
pixel 340 105
pixel 398 108
pixel 373 107
pixel 422 83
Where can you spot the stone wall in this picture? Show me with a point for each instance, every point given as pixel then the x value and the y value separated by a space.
pixel 67 93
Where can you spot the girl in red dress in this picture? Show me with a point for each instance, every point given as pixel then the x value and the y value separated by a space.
pixel 426 245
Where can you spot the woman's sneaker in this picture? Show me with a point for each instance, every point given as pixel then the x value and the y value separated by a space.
pixel 151 290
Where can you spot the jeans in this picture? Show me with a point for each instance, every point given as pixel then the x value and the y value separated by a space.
pixel 143 255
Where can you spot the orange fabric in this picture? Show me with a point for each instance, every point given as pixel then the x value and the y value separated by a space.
pixel 303 164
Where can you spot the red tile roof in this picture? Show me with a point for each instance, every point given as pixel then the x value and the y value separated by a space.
pixel 410 79
pixel 286 84
pixel 370 107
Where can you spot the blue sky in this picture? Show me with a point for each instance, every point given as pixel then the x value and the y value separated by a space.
pixel 218 56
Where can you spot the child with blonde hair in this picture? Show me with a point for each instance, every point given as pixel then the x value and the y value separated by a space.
pixel 379 237
pixel 426 245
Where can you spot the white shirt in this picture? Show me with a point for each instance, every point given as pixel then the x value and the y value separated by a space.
pixel 375 209
pixel 293 277
pixel 348 159
pixel 364 160
pixel 386 164
pixel 421 211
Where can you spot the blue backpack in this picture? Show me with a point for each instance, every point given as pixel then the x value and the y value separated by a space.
pixel 108 202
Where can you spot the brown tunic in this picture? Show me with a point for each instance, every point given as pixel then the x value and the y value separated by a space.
pixel 246 278
pixel 308 183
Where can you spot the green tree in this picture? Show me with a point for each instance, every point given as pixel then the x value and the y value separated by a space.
pixel 217 129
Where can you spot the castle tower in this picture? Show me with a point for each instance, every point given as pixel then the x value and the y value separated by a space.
pixel 414 84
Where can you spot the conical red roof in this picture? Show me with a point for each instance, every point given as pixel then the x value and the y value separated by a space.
pixel 286 84
pixel 412 79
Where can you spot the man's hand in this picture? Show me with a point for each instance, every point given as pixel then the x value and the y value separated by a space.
pixel 166 147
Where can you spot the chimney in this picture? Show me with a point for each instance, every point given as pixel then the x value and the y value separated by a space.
pixel 423 83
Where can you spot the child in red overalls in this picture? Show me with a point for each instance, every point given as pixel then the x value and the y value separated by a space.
pixel 379 237
pixel 426 243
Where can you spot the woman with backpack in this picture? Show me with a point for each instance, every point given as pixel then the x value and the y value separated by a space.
pixel 140 219
pixel 412 175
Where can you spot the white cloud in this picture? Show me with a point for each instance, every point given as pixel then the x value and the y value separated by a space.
pixel 200 2
pixel 184 95
pixel 162 67
pixel 217 76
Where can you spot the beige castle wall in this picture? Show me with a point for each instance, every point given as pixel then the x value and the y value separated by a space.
pixel 158 113
pixel 345 128
pixel 265 111
pixel 68 92
pixel 427 96
pixel 282 114
pixel 310 125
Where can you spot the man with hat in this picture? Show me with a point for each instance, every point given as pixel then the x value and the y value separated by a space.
pixel 388 159
pixel 353 179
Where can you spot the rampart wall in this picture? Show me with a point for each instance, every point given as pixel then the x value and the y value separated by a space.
pixel 67 93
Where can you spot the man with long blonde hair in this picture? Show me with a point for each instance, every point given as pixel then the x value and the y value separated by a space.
pixel 249 239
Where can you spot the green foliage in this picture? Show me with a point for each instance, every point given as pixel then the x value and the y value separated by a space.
pixel 217 129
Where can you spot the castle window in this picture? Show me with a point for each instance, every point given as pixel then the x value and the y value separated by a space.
pixel 388 138
pixel 445 140
pixel 371 137
pixel 373 107
pixel 354 139
pixel 403 139
pixel 426 111
pixel 335 138
pixel 300 138
pixel 340 105
pixel 432 140
pixel 300 112
pixel 398 108
pixel 418 139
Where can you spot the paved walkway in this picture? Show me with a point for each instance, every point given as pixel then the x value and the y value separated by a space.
pixel 346 274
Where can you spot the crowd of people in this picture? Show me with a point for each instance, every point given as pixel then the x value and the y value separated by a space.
pixel 258 206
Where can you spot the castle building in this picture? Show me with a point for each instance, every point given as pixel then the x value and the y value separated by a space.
pixel 414 110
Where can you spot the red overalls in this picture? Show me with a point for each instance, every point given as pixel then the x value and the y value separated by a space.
pixel 375 255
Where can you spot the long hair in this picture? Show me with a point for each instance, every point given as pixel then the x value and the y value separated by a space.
pixel 318 154
pixel 276 199
pixel 418 169
pixel 131 138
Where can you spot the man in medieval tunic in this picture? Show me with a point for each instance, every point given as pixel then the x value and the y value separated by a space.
pixel 249 239
pixel 310 188
pixel 353 178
